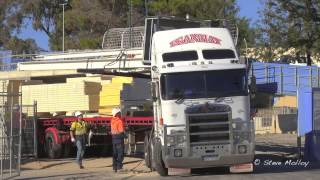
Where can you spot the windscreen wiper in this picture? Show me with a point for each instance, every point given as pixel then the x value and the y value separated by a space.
pixel 180 99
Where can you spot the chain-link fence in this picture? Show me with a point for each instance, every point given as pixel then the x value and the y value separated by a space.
pixel 17 129
pixel 10 129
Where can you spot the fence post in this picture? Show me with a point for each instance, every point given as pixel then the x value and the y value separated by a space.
pixel 296 77
pixel 310 76
pixel 20 133
pixel 281 80
pixel 11 94
pixel 317 76
pixel 266 71
pixel 35 118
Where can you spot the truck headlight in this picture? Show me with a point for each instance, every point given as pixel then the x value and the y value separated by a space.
pixel 241 126
pixel 171 140
pixel 181 139
pixel 239 137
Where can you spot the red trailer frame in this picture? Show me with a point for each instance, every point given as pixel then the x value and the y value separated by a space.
pixel 54 138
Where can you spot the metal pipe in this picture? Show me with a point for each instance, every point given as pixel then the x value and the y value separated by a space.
pixel 296 77
pixel 63 7
pixel 2 134
pixel 146 7
pixel 2 154
pixel 310 76
pixel 20 131
pixel 35 141
pixel 11 132
pixel 63 26
pixel 318 77
pixel 281 79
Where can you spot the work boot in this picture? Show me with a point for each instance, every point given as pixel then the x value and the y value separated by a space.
pixel 121 170
pixel 81 167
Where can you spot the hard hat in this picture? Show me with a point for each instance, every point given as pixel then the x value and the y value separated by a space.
pixel 115 111
pixel 78 113
pixel 55 114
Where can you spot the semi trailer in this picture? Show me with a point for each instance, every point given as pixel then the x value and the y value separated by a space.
pixel 199 89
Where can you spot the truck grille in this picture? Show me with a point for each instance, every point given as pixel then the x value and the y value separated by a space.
pixel 209 128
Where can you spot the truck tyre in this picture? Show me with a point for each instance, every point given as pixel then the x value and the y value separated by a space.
pixel 147 151
pixel 53 149
pixel 159 164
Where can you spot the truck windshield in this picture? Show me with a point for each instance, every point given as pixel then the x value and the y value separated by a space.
pixel 204 84
pixel 218 54
pixel 180 56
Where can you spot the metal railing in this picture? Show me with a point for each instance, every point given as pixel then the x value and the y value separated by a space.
pixel 10 130
pixel 285 79
pixel 9 156
pixel 8 67
pixel 123 38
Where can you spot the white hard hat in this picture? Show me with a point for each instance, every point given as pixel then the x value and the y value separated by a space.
pixel 115 111
pixel 78 113
pixel 55 114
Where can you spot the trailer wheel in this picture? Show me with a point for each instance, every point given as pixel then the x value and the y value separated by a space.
pixel 159 164
pixel 53 149
pixel 147 151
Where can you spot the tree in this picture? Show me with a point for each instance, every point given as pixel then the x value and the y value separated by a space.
pixel 87 20
pixel 292 23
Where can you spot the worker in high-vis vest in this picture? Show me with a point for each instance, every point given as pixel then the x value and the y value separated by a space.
pixel 117 131
pixel 78 132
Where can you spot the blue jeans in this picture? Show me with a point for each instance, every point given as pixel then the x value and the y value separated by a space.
pixel 81 145
pixel 118 152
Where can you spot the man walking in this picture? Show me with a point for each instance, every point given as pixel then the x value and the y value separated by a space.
pixel 78 132
pixel 117 131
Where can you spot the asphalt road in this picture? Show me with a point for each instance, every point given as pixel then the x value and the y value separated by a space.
pixel 276 159
pixel 273 167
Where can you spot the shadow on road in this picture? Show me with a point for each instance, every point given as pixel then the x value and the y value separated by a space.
pixel 73 176
pixel 267 163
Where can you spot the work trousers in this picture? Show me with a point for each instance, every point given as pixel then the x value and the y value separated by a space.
pixel 81 145
pixel 118 153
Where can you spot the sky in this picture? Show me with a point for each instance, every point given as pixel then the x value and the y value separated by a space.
pixel 248 8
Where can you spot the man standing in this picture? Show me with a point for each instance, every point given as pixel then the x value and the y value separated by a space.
pixel 78 132
pixel 117 131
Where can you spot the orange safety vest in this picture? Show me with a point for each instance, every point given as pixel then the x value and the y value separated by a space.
pixel 117 125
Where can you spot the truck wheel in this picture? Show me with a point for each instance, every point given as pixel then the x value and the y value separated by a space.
pixel 147 151
pixel 159 164
pixel 53 149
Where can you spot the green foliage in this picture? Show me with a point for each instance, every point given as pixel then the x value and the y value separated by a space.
pixel 19 46
pixel 200 9
pixel 291 23
pixel 87 20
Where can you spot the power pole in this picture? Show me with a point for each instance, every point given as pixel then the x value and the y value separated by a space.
pixel 63 7
pixel 146 7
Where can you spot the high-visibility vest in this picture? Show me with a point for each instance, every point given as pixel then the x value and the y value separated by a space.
pixel 117 125
pixel 79 127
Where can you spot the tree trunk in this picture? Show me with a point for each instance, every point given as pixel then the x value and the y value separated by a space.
pixel 309 61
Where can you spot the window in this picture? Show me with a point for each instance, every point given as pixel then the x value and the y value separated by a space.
pixel 204 84
pixel 180 56
pixel 218 54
